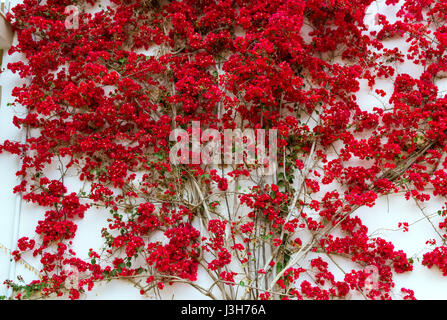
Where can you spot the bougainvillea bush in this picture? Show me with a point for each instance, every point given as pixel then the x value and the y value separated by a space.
pixel 105 91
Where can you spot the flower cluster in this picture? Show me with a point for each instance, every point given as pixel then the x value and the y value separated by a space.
pixel 102 99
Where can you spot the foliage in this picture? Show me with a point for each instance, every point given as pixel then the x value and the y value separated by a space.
pixel 103 98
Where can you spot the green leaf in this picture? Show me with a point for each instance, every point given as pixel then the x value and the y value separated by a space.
pixel 279 267
pixel 286 259
pixel 268 236
pixel 159 156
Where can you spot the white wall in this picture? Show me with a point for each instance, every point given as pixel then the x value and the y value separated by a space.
pixel 384 217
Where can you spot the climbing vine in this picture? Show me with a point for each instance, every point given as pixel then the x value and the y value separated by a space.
pixel 104 94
